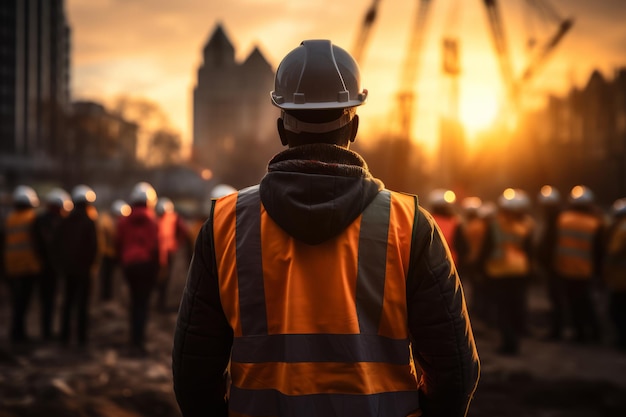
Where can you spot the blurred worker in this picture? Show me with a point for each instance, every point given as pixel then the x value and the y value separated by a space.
pixel 22 265
pixel 471 260
pixel 138 251
pixel 508 266
pixel 78 245
pixel 549 202
pixel 58 205
pixel 107 222
pixel 220 190
pixel 319 280
pixel 615 271
pixel 172 232
pixel 578 260
pixel 442 207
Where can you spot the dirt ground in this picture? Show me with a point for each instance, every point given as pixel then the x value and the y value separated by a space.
pixel 547 379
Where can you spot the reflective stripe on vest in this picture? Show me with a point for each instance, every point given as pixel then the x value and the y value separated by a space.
pixel 20 257
pixel 318 328
pixel 508 257
pixel 575 244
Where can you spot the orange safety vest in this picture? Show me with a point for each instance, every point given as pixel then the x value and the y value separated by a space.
pixel 509 257
pixel 317 327
pixel 20 257
pixel 574 250
pixel 168 240
pixel 448 225
pixel 615 261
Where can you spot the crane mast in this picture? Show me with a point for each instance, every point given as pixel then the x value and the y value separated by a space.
pixel 363 37
pixel 408 75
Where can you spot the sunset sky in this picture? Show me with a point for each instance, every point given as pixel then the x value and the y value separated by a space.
pixel 152 49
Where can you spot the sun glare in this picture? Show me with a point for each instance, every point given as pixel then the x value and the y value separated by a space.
pixel 478 108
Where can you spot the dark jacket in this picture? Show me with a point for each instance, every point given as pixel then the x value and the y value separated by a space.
pixel 78 241
pixel 313 192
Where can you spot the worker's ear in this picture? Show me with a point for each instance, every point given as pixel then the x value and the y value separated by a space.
pixel 281 131
pixel 354 127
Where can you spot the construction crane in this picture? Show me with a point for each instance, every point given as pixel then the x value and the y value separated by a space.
pixel 514 85
pixel 363 36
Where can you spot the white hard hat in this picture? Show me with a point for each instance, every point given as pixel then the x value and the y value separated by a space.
pixel 26 196
pixel 471 204
pixel 164 205
pixel 514 199
pixel 220 190
pixel 83 194
pixel 581 194
pixel 59 197
pixel 143 193
pixel 120 208
pixel 548 195
pixel 619 207
pixel 318 75
pixel 441 197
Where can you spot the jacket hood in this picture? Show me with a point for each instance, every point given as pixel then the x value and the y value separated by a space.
pixel 315 191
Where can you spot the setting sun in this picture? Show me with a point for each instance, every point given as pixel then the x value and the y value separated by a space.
pixel 478 108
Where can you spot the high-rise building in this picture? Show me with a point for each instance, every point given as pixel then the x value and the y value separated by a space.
pixel 34 82
pixel 231 102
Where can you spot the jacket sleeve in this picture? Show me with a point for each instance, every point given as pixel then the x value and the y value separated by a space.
pixel 203 337
pixel 442 340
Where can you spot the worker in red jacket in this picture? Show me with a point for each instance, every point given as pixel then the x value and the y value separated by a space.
pixel 138 250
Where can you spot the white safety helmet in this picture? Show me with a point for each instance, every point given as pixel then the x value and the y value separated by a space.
pixel 25 196
pixel 164 205
pixel 220 190
pixel 143 193
pixel 514 199
pixel 317 75
pixel 471 205
pixel 120 208
pixel 83 194
pixel 581 195
pixel 619 207
pixel 548 195
pixel 60 198
pixel 441 197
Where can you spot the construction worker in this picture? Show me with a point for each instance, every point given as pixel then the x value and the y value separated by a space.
pixel 441 203
pixel 508 266
pixel 578 260
pixel 22 265
pixel 107 223
pixel 312 290
pixel 78 245
pixel 138 251
pixel 471 260
pixel 549 204
pixel 58 205
pixel 172 232
pixel 615 271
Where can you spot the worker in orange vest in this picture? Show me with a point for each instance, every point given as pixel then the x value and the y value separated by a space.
pixel 508 266
pixel 578 260
pixel 22 263
pixel 172 232
pixel 311 292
